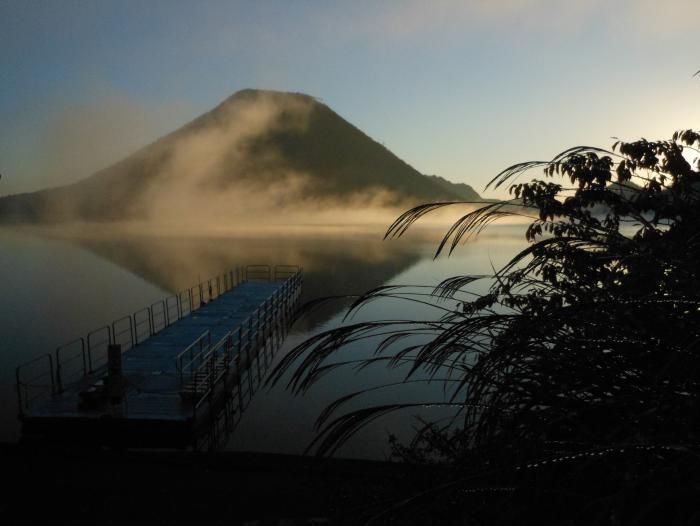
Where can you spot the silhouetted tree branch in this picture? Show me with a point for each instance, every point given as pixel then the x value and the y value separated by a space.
pixel 581 365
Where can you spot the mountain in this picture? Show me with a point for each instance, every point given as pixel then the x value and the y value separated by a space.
pixel 462 190
pixel 256 149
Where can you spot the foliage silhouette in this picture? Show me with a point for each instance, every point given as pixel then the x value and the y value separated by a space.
pixel 576 375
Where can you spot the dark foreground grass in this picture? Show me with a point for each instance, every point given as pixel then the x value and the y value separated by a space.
pixel 63 486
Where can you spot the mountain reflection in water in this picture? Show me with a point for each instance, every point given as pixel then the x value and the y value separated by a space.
pixel 332 265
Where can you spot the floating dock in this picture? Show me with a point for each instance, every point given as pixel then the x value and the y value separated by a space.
pixel 187 366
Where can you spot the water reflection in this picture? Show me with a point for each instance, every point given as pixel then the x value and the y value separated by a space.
pixel 332 265
pixel 57 286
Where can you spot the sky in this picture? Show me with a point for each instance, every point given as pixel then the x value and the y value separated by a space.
pixel 458 89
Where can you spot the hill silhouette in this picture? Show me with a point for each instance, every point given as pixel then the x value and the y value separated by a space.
pixel 256 148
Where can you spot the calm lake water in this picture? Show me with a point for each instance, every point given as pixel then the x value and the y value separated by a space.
pixel 56 288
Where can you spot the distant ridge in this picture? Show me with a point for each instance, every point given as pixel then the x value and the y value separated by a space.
pixel 253 139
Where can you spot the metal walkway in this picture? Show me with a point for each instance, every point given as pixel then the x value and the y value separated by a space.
pixel 190 364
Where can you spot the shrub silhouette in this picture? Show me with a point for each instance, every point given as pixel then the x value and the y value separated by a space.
pixel 577 373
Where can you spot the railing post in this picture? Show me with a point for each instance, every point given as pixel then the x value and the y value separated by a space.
pixel 132 331
pixel 178 368
pixel 212 369
pixel 115 378
pixel 89 356
pixel 59 380
pixel 51 373
pixel 266 329
pixel 247 354
pixel 133 322
pixel 19 392
pixel 268 317
pixel 275 315
pixel 82 351
pixel 258 345
pixel 228 350
pixel 238 371
pixel 192 379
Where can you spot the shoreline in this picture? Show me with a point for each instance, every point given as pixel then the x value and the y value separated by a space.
pixel 241 487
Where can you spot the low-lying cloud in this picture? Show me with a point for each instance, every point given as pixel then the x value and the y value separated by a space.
pixel 224 171
pixel 206 182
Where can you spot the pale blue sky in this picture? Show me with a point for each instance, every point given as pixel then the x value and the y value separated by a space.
pixel 459 89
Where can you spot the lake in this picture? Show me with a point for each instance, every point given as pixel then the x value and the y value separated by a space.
pixel 57 286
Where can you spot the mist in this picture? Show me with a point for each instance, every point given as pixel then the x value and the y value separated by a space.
pixel 208 183
pixel 254 161
pixel 79 135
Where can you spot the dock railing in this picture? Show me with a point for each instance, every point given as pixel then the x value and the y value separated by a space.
pixel 202 365
pixel 189 360
pixel 35 381
pixel 76 361
pixel 233 368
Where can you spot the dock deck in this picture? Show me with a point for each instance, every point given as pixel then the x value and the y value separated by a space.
pixel 186 362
